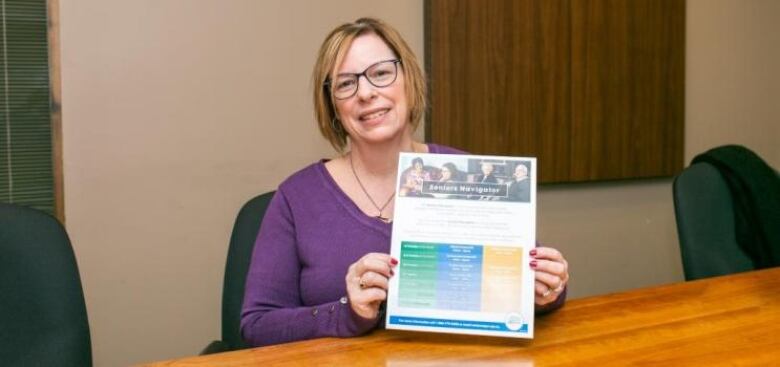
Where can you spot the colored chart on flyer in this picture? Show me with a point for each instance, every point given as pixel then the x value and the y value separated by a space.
pixel 458 277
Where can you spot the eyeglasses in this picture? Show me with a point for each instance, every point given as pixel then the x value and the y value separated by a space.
pixel 379 75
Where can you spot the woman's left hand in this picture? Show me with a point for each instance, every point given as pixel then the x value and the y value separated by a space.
pixel 552 274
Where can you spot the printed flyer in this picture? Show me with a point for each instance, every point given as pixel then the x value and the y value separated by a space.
pixel 463 227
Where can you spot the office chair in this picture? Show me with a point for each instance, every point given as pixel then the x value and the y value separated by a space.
pixel 43 318
pixel 705 224
pixel 727 211
pixel 242 241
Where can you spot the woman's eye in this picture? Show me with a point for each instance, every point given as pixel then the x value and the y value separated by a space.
pixel 381 73
pixel 345 84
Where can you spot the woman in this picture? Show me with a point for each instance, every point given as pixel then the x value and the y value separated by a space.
pixel 418 172
pixel 414 178
pixel 320 266
pixel 450 173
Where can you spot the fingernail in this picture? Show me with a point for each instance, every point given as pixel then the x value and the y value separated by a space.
pixel 533 252
pixel 533 263
pixel 393 261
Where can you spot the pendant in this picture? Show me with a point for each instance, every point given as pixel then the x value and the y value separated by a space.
pixel 384 219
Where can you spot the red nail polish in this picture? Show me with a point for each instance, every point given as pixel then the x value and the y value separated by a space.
pixel 393 261
pixel 533 252
pixel 533 263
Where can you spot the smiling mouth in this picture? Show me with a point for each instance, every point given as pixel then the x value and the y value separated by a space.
pixel 374 115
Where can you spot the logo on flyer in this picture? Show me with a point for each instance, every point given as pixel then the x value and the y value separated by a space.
pixel 514 321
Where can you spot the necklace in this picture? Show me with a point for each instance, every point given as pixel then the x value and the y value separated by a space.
pixel 378 208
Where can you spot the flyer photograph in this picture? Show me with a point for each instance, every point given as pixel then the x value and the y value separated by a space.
pixel 463 229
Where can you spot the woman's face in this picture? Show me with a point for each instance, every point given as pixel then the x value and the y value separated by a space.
pixel 418 167
pixel 445 173
pixel 373 114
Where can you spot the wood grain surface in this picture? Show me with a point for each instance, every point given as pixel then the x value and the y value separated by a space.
pixel 593 88
pixel 724 321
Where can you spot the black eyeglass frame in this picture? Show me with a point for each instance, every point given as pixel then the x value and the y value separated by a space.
pixel 328 83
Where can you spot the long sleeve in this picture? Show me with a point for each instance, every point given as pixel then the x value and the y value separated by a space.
pixel 273 310
pixel 311 233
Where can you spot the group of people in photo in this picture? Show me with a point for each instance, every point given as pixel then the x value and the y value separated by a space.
pixel 513 174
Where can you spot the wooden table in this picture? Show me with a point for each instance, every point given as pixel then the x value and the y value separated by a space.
pixel 731 320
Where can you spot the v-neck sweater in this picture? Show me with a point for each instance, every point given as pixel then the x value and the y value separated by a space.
pixel 310 235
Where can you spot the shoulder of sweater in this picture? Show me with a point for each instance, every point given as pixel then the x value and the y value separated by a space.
pixel 303 178
pixel 443 149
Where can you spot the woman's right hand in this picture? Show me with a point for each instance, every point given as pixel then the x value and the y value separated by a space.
pixel 367 281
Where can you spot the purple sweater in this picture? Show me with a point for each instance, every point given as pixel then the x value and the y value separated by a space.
pixel 311 233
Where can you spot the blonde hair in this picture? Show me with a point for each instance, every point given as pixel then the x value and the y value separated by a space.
pixel 331 54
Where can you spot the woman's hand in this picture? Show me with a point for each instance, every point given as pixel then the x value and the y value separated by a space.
pixel 367 281
pixel 552 274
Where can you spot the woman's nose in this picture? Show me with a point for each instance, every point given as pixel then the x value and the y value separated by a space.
pixel 365 89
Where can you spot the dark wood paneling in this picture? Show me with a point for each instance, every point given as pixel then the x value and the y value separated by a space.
pixel 627 65
pixel 479 53
pixel 593 88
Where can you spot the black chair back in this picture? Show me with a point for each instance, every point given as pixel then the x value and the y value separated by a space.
pixel 705 224
pixel 242 243
pixel 727 205
pixel 43 318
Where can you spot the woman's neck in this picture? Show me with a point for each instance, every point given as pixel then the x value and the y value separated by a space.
pixel 381 160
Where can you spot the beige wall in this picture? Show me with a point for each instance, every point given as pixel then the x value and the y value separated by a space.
pixel 176 112
pixel 733 84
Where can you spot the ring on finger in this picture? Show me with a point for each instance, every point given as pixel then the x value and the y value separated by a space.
pixel 547 292
pixel 559 288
